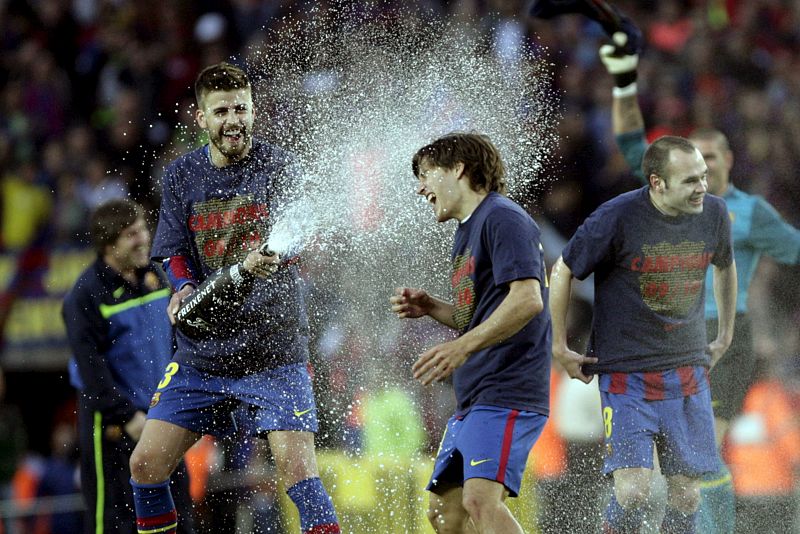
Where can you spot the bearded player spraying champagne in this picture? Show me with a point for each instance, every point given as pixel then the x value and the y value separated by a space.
pixel 250 375
pixel 212 305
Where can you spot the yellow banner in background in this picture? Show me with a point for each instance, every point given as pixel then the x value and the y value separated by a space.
pixel 7 267
pixel 35 320
pixel 64 269
pixel 34 335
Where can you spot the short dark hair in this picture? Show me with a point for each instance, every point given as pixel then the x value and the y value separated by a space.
pixel 656 157
pixel 219 77
pixel 110 219
pixel 481 159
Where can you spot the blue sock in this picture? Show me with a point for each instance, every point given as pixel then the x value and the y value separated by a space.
pixel 717 513
pixel 317 515
pixel 676 522
pixel 621 521
pixel 155 510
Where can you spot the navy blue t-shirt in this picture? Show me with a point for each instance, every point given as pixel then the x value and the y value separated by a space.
pixel 213 217
pixel 649 280
pixel 498 244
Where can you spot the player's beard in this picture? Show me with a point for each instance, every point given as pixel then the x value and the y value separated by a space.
pixel 232 151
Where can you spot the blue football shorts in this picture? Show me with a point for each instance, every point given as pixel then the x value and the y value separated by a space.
pixel 488 442
pixel 275 399
pixel 682 428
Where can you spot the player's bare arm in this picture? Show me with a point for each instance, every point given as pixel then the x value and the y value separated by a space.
pixel 523 303
pixel 411 303
pixel 626 115
pixel 725 288
pixel 560 291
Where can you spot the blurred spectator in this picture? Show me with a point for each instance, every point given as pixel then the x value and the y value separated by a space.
pixel 98 186
pixel 26 206
pixel 16 125
pixel 46 95
pixel 548 461
pixel 763 453
pixel 13 440
pixel 392 424
pixel 567 459
pixel 394 437
pixel 60 477
pixel 80 146
pixel 70 213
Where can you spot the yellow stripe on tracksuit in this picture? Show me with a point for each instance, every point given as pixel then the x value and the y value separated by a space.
pixel 721 481
pixel 107 310
pixel 100 501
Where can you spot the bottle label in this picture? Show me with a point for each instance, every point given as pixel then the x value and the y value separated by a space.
pixel 236 274
pixel 195 299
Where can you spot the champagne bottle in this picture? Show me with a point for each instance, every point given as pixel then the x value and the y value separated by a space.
pixel 212 303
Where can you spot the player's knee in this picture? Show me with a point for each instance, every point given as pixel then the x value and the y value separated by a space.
pixel 477 506
pixel 684 497
pixel 436 518
pixel 441 521
pixel 632 494
pixel 294 470
pixel 433 514
pixel 145 467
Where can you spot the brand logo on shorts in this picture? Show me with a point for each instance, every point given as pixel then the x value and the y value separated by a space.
pixel 609 450
pixel 473 463
pixel 300 413
pixel 154 400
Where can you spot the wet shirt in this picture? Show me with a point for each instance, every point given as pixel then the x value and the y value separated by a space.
pixel 498 244
pixel 213 216
pixel 650 276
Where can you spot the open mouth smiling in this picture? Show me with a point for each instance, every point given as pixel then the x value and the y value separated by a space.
pixel 233 135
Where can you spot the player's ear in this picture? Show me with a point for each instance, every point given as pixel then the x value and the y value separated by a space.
pixel 655 182
pixel 200 118
pixel 459 169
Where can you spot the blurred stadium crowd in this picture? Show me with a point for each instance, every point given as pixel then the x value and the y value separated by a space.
pixel 95 96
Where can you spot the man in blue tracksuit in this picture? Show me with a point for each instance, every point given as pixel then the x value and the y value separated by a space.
pixel 757 229
pixel 121 342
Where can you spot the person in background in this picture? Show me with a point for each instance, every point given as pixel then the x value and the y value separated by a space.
pixel 763 451
pixel 13 443
pixel 121 342
pixel 758 230
pixel 649 250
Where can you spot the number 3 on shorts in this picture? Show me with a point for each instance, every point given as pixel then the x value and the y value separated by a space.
pixel 172 368
pixel 608 415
